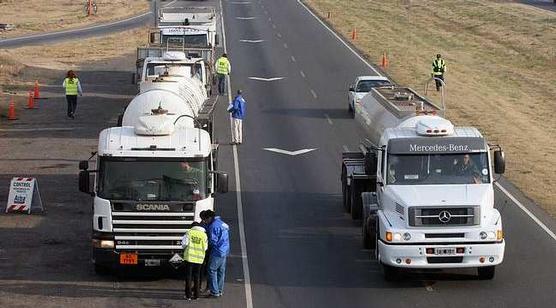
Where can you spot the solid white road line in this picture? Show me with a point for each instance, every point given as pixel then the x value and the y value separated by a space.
pixel 242 241
pixel 524 209
pixel 507 193
pixel 339 38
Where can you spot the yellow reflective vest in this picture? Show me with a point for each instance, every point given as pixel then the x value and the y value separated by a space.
pixel 197 245
pixel 71 86
pixel 223 66
pixel 438 67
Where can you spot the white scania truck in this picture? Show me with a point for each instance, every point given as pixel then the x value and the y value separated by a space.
pixel 423 187
pixel 156 172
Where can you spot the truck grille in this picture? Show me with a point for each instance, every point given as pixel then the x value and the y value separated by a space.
pixel 444 216
pixel 150 230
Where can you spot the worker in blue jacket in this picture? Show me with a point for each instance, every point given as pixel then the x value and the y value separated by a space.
pixel 219 244
pixel 237 109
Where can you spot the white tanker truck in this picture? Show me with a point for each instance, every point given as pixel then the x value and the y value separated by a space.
pixel 423 187
pixel 155 173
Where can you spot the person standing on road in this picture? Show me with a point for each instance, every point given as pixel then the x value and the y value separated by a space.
pixel 73 87
pixel 195 244
pixel 223 69
pixel 438 70
pixel 237 110
pixel 219 243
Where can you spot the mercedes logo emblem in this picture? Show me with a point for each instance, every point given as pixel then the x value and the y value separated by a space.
pixel 444 216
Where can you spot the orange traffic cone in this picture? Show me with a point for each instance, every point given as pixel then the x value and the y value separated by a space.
pixel 384 63
pixel 31 101
pixel 11 110
pixel 354 34
pixel 36 90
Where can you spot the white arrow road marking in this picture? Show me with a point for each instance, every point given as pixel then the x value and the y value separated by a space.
pixel 291 153
pixel 245 18
pixel 251 41
pixel 266 79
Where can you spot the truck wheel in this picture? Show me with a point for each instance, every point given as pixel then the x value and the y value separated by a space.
pixel 356 202
pixel 101 270
pixel 346 199
pixel 351 111
pixel 391 273
pixel 369 236
pixel 486 272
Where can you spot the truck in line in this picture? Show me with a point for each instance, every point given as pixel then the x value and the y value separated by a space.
pixel 156 172
pixel 423 187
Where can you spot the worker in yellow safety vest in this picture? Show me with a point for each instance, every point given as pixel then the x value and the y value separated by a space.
pixel 195 244
pixel 438 70
pixel 73 87
pixel 223 69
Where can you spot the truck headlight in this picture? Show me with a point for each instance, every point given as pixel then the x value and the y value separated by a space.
pixel 491 235
pixel 103 243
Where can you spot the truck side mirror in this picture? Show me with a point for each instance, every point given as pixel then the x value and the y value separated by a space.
pixel 222 182
pixel 499 162
pixel 84 165
pixel 84 182
pixel 216 40
pixel 351 89
pixel 151 38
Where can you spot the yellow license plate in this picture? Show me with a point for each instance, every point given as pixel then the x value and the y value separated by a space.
pixel 128 258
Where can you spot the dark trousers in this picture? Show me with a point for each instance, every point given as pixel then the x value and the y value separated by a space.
pixel 72 104
pixel 438 83
pixel 192 271
pixel 221 83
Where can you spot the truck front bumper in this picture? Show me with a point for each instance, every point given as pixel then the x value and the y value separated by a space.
pixel 416 256
pixel 111 258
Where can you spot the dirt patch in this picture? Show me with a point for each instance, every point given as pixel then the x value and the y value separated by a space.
pixel 31 16
pixel 501 59
pixel 21 67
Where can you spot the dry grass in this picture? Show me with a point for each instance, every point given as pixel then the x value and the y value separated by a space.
pixel 31 16
pixel 501 59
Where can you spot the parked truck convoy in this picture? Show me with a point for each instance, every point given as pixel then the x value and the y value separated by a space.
pixel 423 187
pixel 157 170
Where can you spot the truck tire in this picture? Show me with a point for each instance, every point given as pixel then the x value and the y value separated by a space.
pixel 369 236
pixel 351 111
pixel 356 202
pixel 346 193
pixel 390 273
pixel 101 270
pixel 486 272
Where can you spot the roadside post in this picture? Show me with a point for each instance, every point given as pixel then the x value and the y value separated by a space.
pixel 24 196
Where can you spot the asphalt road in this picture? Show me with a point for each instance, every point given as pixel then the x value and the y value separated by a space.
pixel 84 32
pixel 302 250
pixel 548 5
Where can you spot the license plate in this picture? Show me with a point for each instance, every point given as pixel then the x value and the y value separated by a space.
pixel 152 262
pixel 444 251
pixel 128 258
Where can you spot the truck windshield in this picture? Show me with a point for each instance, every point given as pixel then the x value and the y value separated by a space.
pixel 190 40
pixel 148 180
pixel 465 168
pixel 367 85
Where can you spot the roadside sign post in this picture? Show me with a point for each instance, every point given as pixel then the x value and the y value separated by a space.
pixel 24 196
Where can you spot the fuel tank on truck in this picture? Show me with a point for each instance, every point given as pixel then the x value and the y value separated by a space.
pixel 389 107
pixel 178 95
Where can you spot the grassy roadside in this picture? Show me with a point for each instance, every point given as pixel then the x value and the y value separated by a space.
pixel 19 68
pixel 501 59
pixel 31 16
